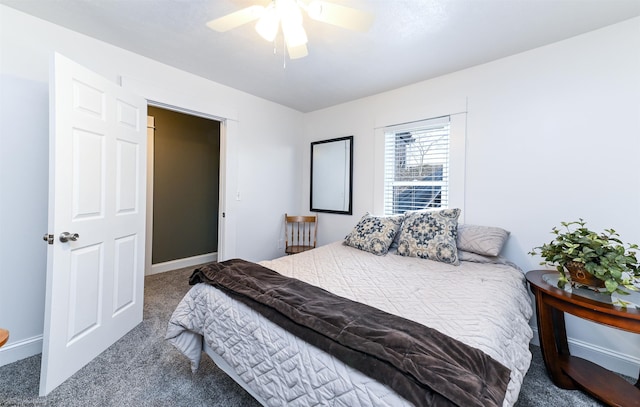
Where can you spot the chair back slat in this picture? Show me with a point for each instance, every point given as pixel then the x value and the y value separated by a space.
pixel 300 233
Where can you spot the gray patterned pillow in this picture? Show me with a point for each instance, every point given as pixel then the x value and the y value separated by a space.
pixel 430 235
pixel 374 234
pixel 484 240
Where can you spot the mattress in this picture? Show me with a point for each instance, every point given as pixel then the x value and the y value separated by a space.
pixel 483 305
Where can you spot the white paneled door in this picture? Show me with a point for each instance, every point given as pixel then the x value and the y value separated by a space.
pixel 96 236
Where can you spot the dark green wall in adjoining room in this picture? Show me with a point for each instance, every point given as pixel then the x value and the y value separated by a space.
pixel 185 185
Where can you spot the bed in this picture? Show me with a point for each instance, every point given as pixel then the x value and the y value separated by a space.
pixel 466 292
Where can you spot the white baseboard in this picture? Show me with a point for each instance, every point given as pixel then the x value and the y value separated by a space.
pixel 14 351
pixel 181 263
pixel 615 361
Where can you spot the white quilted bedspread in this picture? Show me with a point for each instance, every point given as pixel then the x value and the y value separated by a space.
pixel 483 305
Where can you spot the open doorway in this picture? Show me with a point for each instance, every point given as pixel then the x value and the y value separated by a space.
pixel 184 174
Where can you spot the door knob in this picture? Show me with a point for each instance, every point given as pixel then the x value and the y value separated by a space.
pixel 66 236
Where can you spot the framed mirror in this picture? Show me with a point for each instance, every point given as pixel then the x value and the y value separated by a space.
pixel 332 175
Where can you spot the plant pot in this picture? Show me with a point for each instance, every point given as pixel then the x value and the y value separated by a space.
pixel 579 275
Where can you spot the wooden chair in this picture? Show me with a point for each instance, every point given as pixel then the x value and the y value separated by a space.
pixel 300 233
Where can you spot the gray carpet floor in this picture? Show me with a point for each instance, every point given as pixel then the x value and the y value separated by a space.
pixel 142 369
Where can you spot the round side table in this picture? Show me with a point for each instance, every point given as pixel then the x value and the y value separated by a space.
pixel 570 372
pixel 4 336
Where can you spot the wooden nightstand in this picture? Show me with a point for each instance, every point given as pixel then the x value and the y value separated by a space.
pixel 570 372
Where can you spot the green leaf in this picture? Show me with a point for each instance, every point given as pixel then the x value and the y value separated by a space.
pixel 611 285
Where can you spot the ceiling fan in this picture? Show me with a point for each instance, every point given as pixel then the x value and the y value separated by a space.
pixel 288 15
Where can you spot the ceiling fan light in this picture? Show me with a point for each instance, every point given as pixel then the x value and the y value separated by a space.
pixel 289 11
pixel 294 34
pixel 267 25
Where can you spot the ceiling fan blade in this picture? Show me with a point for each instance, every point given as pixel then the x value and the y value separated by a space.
pixel 299 51
pixel 341 16
pixel 269 24
pixel 236 19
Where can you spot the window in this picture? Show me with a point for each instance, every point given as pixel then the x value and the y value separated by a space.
pixel 416 166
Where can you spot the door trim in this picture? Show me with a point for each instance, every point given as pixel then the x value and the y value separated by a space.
pixel 149 224
pixel 158 96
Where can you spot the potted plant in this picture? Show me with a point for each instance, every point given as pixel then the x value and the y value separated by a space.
pixel 601 256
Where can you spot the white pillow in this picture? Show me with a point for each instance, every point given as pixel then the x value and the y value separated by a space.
pixel 484 240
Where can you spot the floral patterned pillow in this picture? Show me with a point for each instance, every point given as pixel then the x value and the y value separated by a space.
pixel 430 235
pixel 374 234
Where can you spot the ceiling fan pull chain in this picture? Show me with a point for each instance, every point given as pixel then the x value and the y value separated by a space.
pixel 284 55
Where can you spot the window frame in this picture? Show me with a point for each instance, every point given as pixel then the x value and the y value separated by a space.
pixel 404 153
pixel 457 157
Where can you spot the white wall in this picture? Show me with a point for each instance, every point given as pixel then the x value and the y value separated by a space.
pixel 553 134
pixel 265 167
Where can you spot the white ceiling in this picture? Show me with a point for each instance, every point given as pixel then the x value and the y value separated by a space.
pixel 410 40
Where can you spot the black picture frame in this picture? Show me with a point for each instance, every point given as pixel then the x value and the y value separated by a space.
pixel 331 181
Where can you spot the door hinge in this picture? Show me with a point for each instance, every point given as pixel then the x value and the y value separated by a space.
pixel 48 238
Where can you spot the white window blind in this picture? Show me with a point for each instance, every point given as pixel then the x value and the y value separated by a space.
pixel 416 174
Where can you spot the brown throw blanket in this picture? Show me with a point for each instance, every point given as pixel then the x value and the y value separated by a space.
pixel 421 364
